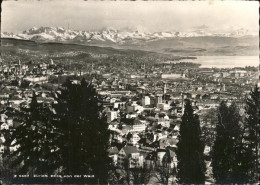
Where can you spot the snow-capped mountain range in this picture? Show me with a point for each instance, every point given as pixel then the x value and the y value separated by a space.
pixel 58 34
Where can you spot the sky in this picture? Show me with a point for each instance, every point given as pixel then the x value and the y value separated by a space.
pixel 150 16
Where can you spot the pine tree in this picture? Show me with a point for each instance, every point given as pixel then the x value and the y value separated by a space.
pixel 190 148
pixel 208 128
pixel 31 137
pixel 83 132
pixel 226 148
pixel 250 143
pixel 219 158
pixel 235 129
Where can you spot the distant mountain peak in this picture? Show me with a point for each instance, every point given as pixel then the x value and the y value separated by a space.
pixel 110 34
pixel 203 26
pixel 110 29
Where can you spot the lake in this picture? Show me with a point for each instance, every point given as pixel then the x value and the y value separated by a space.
pixel 225 61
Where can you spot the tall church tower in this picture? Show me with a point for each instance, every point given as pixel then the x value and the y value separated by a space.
pixel 182 104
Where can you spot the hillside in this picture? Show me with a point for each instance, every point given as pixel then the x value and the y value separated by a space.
pixel 202 46
pixel 17 46
pixel 196 42
pixel 13 50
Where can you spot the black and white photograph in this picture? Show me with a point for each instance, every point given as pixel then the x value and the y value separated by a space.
pixel 129 92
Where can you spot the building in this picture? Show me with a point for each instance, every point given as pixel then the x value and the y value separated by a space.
pixel 139 126
pixel 119 105
pixel 163 106
pixel 158 99
pixel 42 79
pixel 146 101
pixel 111 115
pixel 4 126
pixel 238 73
pixel 164 158
pixel 172 76
pixel 113 154
pixel 129 157
pixel 134 138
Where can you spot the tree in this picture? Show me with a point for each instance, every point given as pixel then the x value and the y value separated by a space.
pixel 35 140
pixel 250 143
pixel 191 166
pixel 15 82
pixel 131 176
pixel 83 134
pixel 25 84
pixel 209 120
pixel 226 148
pixel 162 174
pixel 141 175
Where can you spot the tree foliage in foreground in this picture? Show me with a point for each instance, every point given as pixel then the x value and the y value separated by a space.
pixel 35 140
pixel 83 133
pixel 70 138
pixel 191 166
pixel 226 151
pixel 250 145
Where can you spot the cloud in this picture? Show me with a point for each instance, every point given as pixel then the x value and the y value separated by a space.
pixel 151 15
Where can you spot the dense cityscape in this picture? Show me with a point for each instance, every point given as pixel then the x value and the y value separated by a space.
pixel 143 105
pixel 131 93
